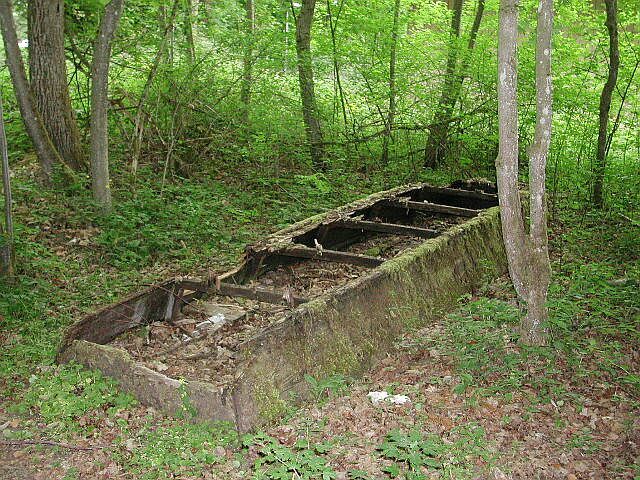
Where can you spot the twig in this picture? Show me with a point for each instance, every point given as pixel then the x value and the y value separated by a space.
pixel 22 443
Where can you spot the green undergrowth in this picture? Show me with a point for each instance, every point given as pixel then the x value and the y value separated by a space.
pixel 594 321
pixel 415 456
pixel 59 396
pixel 175 448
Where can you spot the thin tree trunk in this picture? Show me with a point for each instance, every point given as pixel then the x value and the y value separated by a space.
pixel 188 31
pixel 388 130
pixel 333 24
pixel 533 324
pixel 247 61
pixel 605 101
pixel 304 21
pixel 513 232
pixel 434 150
pixel 47 154
pixel 48 75
pixel 99 104
pixel 139 122
pixel 527 254
pixel 7 256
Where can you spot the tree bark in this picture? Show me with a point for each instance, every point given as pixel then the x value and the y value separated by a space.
pixel 188 31
pixel 435 148
pixel 48 75
pixel 533 324
pixel 333 27
pixel 388 130
pixel 605 101
pixel 304 21
pixel 527 254
pixel 7 256
pixel 247 61
pixel 99 104
pixel 47 154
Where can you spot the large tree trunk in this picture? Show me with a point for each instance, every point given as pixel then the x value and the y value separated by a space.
pixel 99 104
pixel 47 154
pixel 527 254
pixel 435 148
pixel 48 75
pixel 388 130
pixel 247 61
pixel 304 20
pixel 605 100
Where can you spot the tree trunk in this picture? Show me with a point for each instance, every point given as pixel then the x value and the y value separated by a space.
pixel 536 317
pixel 99 104
pixel 333 27
pixel 47 154
pixel 7 257
pixel 48 75
pixel 188 31
pixel 392 84
pixel 605 101
pixel 304 21
pixel 435 148
pixel 527 254
pixel 247 61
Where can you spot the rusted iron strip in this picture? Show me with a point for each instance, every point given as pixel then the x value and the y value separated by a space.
pixel 382 227
pixel 253 293
pixel 300 251
pixel 429 207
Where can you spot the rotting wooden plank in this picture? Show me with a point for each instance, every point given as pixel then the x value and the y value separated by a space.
pixel 252 293
pixel 382 227
pixel 259 294
pixel 429 207
pixel 462 193
pixel 300 251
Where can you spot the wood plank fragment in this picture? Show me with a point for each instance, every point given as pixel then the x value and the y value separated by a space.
pixel 301 251
pixel 243 291
pixel 429 207
pixel 383 227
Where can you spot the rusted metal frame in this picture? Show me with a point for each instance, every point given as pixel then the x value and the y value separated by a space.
pixel 405 203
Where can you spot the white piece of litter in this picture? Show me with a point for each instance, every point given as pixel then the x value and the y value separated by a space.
pixel 377 397
pixel 398 399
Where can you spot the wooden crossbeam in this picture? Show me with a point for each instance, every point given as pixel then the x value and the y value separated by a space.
pixel 301 251
pixel 381 227
pixel 260 294
pixel 429 207
pixel 243 291
pixel 462 193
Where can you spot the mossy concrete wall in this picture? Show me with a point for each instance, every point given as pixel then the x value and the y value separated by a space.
pixel 348 330
pixel 344 331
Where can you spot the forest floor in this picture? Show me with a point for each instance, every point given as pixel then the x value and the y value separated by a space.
pixel 480 404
